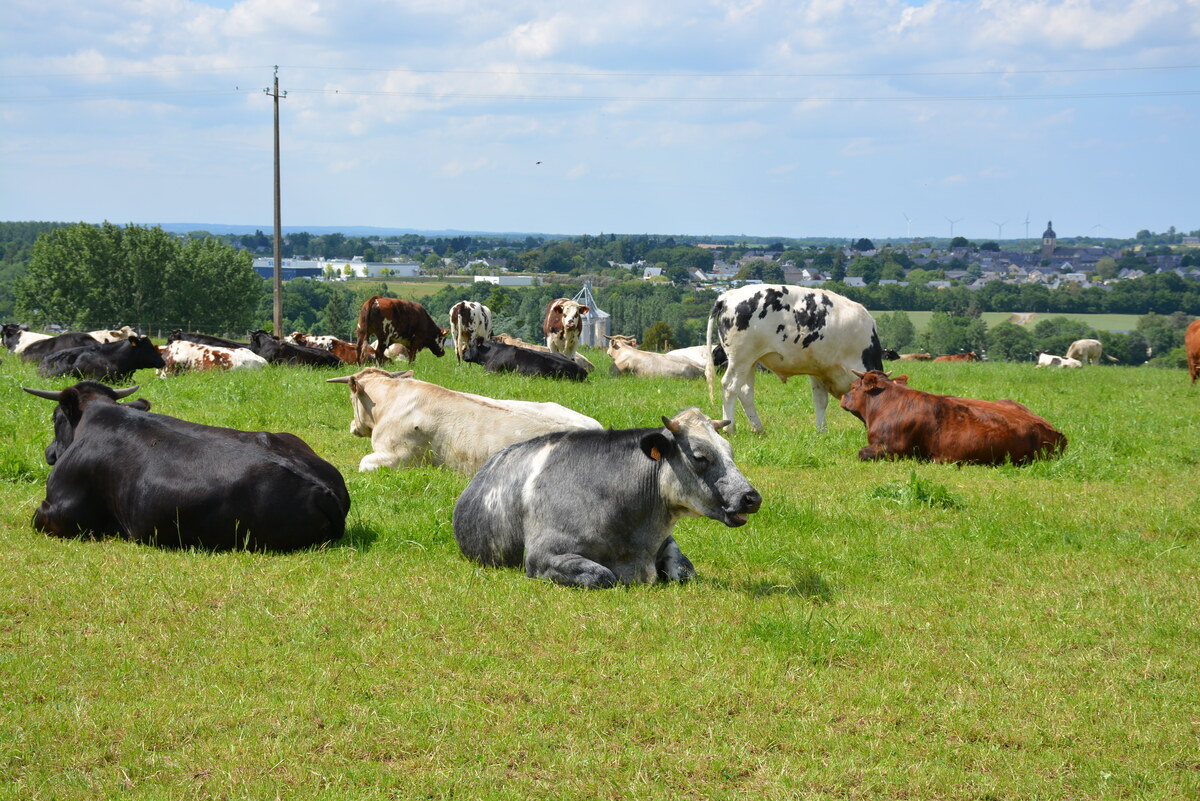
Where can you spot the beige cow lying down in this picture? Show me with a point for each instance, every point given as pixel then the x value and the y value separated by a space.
pixel 629 360
pixel 413 422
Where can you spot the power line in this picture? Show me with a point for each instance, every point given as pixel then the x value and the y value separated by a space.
pixel 125 95
pixel 598 74
pixel 744 99
pixel 453 96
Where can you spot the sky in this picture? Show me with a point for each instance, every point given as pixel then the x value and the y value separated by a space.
pixel 829 118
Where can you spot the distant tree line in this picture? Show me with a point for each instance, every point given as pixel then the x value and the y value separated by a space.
pixel 91 276
pixel 1157 338
pixel 1161 293
pixel 76 274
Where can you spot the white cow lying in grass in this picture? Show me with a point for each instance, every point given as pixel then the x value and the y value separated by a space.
pixel 1050 360
pixel 413 422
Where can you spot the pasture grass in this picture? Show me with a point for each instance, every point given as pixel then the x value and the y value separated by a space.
pixel 885 630
pixel 1100 322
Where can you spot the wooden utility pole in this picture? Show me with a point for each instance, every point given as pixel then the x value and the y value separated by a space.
pixel 278 317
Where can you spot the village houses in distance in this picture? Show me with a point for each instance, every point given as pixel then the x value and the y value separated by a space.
pixel 1053 265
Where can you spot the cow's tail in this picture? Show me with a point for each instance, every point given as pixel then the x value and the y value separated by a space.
pixel 362 331
pixel 710 369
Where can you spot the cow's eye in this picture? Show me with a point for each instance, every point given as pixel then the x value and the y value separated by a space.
pixel 702 458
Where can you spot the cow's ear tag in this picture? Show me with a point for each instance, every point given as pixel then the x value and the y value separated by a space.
pixel 656 446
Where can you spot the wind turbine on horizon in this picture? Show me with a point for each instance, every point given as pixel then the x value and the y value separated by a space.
pixel 999 228
pixel 952 222
pixel 1026 225
pixel 908 222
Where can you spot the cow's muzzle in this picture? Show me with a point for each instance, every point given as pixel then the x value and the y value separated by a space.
pixel 738 514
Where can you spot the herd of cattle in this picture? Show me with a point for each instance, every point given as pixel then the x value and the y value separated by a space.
pixel 551 488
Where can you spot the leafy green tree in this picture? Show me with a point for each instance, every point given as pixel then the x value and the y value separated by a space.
pixel 339 317
pixel 954 334
pixel 864 244
pixel 658 337
pixel 1009 342
pixel 895 329
pixel 920 275
pixel 837 272
pixel 1163 332
pixel 214 287
pixel 1055 334
pixel 89 276
pixel 866 267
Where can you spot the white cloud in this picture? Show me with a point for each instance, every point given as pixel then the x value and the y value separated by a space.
pixel 457 168
pixel 862 146
pixel 672 99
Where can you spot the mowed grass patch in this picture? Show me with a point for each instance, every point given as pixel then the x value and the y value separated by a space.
pixel 1101 322
pixel 1032 636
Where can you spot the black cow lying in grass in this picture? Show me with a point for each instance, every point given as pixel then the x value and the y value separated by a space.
pixel 111 361
pixel 497 357
pixel 278 351
pixel 121 471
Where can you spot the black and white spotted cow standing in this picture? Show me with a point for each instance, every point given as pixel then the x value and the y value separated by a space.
pixel 790 330
pixel 469 322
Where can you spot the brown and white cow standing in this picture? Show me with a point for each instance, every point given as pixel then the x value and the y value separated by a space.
pixel 1191 343
pixel 906 422
pixel 395 320
pixel 469 322
pixel 564 322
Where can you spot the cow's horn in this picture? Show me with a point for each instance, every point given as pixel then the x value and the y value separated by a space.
pixel 719 424
pixel 125 393
pixel 888 374
pixel 858 373
pixel 48 394
pixel 341 379
pixel 671 425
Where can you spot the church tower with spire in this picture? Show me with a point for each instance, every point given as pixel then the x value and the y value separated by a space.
pixel 1049 241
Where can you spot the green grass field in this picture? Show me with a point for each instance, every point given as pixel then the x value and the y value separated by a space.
pixel 877 631
pixel 407 288
pixel 1101 322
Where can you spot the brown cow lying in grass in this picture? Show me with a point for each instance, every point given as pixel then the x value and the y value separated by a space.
pixel 902 421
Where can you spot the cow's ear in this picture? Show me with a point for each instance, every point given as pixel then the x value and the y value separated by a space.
pixel 141 404
pixel 69 402
pixel 584 309
pixel 657 445
pixel 901 379
pixel 353 384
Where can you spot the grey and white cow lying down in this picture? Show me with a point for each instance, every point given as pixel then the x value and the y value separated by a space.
pixel 596 508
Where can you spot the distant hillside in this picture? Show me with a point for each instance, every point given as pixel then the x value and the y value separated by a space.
pixel 348 230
